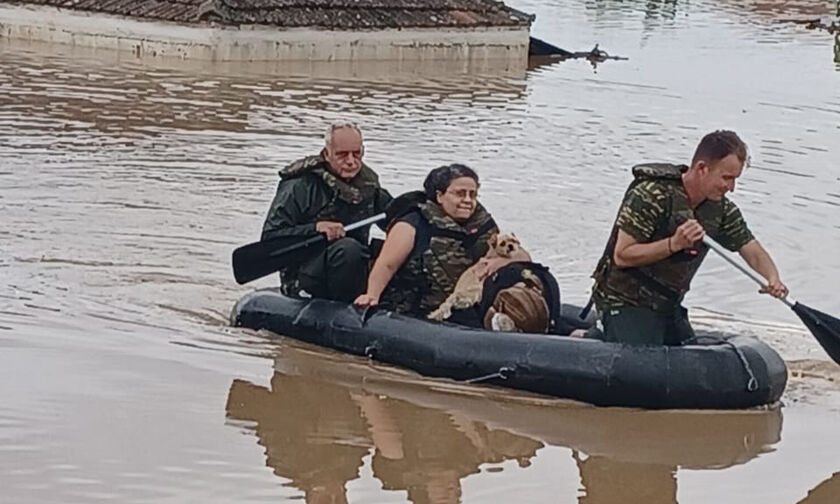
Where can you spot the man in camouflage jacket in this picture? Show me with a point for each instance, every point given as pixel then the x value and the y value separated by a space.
pixel 322 194
pixel 656 244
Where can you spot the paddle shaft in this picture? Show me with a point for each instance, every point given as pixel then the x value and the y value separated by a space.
pixel 750 273
pixel 314 239
pixel 824 327
pixel 364 222
pixel 260 258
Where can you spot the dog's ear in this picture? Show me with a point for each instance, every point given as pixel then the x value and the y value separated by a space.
pixel 493 240
pixel 514 235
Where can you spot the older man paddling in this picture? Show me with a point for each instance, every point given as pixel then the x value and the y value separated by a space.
pixel 322 194
pixel 656 244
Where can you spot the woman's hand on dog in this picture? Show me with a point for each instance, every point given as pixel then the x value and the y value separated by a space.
pixel 366 300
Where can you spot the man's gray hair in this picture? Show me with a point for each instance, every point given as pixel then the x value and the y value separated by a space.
pixel 339 125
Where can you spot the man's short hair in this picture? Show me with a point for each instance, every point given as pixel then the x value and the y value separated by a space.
pixel 328 135
pixel 719 144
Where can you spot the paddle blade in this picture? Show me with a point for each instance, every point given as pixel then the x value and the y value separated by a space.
pixel 262 258
pixel 824 327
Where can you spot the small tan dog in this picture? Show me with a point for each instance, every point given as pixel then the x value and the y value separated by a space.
pixel 504 249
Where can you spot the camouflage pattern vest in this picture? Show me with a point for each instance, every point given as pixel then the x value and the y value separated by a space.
pixel 349 202
pixel 428 276
pixel 660 286
pixel 346 203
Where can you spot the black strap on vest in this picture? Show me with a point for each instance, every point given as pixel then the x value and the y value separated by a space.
pixel 586 309
pixel 673 296
pixel 402 205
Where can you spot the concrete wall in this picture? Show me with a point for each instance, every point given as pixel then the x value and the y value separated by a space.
pixel 257 43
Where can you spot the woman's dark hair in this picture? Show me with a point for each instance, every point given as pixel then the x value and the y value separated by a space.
pixel 440 178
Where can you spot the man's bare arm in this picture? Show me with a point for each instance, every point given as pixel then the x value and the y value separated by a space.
pixel 759 260
pixel 630 253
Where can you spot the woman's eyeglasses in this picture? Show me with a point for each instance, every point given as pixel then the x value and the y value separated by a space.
pixel 464 193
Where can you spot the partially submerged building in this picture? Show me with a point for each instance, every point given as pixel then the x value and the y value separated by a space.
pixel 278 30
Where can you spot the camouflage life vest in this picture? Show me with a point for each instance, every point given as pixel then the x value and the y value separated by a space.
pixel 428 276
pixel 350 202
pixel 347 203
pixel 660 286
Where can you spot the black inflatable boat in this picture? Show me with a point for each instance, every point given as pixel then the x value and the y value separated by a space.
pixel 714 372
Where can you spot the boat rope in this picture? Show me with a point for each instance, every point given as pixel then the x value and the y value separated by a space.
pixel 752 383
pixel 503 373
pixel 370 351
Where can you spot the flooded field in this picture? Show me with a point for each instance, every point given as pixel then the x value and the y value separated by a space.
pixel 125 185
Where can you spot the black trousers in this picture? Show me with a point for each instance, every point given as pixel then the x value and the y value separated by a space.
pixel 642 326
pixel 338 272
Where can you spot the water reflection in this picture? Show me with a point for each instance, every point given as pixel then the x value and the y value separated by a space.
pixel 608 481
pixel 653 9
pixel 656 15
pixel 427 452
pixel 668 9
pixel 779 8
pixel 319 419
pixel 47 89
pixel 316 435
pixel 827 492
pixel 313 433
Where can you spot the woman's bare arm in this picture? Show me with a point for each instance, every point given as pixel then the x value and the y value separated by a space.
pixel 396 249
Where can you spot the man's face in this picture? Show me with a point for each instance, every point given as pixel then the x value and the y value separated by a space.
pixel 719 176
pixel 344 154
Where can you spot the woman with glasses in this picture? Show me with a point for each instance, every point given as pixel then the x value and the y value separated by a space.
pixel 431 241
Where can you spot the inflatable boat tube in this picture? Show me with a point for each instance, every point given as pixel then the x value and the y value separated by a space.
pixel 715 372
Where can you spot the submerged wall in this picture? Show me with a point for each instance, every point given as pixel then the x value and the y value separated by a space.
pixel 257 43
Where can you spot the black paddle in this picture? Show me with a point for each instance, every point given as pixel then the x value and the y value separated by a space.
pixel 824 327
pixel 261 258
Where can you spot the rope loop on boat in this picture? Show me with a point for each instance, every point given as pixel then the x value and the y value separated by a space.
pixel 752 383
pixel 503 373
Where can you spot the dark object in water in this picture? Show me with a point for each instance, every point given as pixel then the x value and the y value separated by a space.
pixel 732 372
pixel 539 47
pixel 829 24
pixel 541 52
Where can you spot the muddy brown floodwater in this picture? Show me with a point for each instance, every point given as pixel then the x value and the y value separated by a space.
pixel 125 185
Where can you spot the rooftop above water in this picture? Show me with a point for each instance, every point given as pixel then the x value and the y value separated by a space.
pixel 327 14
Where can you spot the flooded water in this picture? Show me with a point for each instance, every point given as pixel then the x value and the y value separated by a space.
pixel 124 186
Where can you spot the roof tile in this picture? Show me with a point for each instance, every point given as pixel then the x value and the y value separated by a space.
pixel 329 14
